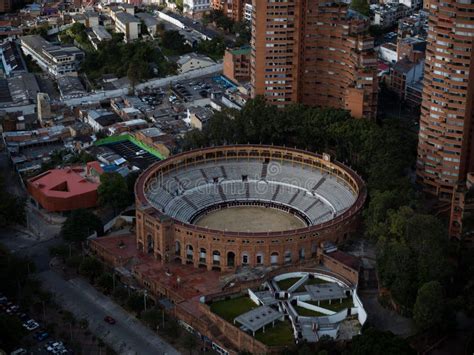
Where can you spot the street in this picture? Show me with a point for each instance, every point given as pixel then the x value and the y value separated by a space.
pixel 127 336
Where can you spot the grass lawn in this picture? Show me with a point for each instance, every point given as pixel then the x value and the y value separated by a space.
pixel 335 306
pixel 281 334
pixel 287 283
pixel 229 309
pixel 308 312
pixel 314 281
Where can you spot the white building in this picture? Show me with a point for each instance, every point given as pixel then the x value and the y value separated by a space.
pixel 193 61
pixel 127 24
pixel 196 7
pixel 413 4
pixel 388 15
pixel 56 60
pixel 388 52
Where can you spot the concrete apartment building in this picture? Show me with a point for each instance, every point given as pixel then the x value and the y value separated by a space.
pixel 53 59
pixel 445 156
pixel 313 52
pixel 127 24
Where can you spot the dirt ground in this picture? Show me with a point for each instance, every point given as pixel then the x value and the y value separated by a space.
pixel 250 219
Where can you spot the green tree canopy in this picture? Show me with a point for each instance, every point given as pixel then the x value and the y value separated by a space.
pixel 91 268
pixel 361 6
pixel 376 342
pixel 429 310
pixel 113 191
pixel 79 225
pixel 12 332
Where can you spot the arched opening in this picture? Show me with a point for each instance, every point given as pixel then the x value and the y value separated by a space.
pixel 314 248
pixel 189 252
pixel 149 244
pixel 231 259
pixel 259 259
pixel 274 258
pixel 287 257
pixel 140 246
pixel 202 255
pixel 301 254
pixel 245 259
pixel 216 258
pixel 177 248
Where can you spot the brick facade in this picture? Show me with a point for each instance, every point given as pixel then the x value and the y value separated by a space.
pixel 171 240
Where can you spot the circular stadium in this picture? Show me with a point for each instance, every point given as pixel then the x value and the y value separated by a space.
pixel 230 206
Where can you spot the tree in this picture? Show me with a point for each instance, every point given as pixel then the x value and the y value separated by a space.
pixel 12 207
pixel 91 268
pixel 79 225
pixel 136 302
pixel 189 342
pixel 113 191
pixel 152 318
pixel 430 306
pixel 12 332
pixel 375 342
pixel 361 6
pixel 106 281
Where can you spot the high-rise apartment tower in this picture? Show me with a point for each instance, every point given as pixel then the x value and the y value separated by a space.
pixel 445 147
pixel 313 52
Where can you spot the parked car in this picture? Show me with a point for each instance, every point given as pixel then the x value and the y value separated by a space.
pixel 109 320
pixel 31 325
pixel 40 336
pixel 19 351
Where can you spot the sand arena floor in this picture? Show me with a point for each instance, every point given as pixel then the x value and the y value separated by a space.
pixel 250 219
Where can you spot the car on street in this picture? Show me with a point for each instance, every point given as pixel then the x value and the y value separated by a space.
pixel 41 336
pixel 109 319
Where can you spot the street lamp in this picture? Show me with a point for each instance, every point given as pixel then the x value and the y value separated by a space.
pixel 144 298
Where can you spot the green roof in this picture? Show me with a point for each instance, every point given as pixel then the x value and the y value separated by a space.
pixel 240 51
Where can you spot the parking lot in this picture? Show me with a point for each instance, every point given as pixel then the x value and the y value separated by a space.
pixel 36 334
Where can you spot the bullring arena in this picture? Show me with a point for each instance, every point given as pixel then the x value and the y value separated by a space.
pixel 244 205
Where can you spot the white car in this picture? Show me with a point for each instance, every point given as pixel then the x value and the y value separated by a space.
pixel 31 325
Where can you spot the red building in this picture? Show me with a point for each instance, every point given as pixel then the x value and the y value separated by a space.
pixel 60 190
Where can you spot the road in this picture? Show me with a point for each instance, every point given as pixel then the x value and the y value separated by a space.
pixel 127 336
pixel 150 84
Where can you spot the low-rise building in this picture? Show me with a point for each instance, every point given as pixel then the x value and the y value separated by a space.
pixel 403 73
pixel 100 119
pixel 411 47
pixel 150 22
pixel 53 59
pixel 12 61
pixel 193 61
pixel 237 64
pixel 61 190
pixel 127 24
pixel 196 8
pixel 70 87
pixel 388 15
pixel 388 52
pixel 199 116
